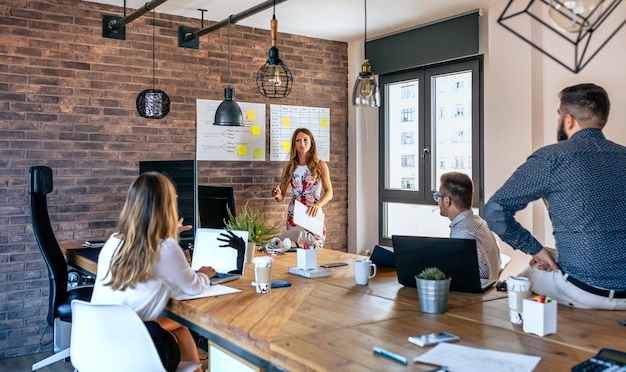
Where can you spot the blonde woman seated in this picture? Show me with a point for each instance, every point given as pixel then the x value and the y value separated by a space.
pixel 142 265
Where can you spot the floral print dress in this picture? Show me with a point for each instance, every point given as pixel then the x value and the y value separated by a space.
pixel 307 191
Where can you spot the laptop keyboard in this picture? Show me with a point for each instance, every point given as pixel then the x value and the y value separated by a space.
pixel 223 278
pixel 222 275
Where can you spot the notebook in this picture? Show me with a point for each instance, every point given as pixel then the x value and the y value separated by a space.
pixel 225 260
pixel 455 257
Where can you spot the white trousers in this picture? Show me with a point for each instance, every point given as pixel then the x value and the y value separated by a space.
pixel 553 284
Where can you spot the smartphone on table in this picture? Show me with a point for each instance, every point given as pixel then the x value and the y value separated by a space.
pixel 433 338
pixel 333 264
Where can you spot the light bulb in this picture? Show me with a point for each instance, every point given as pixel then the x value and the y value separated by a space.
pixel 365 88
pixel 574 15
pixel 275 76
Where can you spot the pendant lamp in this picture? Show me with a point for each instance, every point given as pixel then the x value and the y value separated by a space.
pixel 573 32
pixel 153 103
pixel 228 112
pixel 274 78
pixel 365 92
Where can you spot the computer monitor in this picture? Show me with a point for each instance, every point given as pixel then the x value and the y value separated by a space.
pixel 183 175
pixel 213 205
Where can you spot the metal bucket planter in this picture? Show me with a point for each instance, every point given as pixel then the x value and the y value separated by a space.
pixel 433 294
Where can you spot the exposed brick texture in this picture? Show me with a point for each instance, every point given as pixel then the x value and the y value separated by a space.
pixel 67 100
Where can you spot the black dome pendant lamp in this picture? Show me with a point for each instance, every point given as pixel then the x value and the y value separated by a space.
pixel 228 112
pixel 153 103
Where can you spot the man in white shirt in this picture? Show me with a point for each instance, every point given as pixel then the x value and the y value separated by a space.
pixel 455 202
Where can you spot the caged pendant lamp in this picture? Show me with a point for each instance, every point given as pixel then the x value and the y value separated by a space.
pixel 228 112
pixel 574 30
pixel 153 103
pixel 274 78
pixel 365 92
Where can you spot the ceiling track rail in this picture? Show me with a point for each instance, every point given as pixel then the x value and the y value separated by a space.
pixel 113 27
pixel 187 36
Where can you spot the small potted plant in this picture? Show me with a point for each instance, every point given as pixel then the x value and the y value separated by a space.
pixel 256 224
pixel 433 286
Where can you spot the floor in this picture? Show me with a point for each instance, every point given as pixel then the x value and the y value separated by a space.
pixel 25 362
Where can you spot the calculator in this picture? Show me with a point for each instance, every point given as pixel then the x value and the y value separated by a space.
pixel 606 360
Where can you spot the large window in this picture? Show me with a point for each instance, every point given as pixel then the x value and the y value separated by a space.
pixel 434 129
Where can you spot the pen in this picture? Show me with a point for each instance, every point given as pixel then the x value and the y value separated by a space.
pixel 390 355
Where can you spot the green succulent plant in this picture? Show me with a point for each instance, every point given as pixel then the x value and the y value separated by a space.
pixel 254 222
pixel 432 273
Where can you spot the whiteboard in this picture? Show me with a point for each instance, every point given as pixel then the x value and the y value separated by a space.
pixel 284 120
pixel 217 142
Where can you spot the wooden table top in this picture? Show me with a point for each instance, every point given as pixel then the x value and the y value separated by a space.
pixel 586 329
pixel 331 324
pixel 350 348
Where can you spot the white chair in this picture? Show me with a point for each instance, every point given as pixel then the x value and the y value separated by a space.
pixel 113 338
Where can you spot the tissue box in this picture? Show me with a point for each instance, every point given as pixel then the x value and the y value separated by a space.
pixel 307 258
pixel 539 317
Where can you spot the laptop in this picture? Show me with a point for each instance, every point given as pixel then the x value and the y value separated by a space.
pixel 225 260
pixel 455 257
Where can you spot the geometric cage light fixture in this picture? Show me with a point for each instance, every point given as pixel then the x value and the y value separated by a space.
pixel 573 33
pixel 274 79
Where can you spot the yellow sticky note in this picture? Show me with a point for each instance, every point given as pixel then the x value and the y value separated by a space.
pixel 286 145
pixel 255 130
pixel 324 122
pixel 286 122
pixel 257 153
pixel 242 150
pixel 251 114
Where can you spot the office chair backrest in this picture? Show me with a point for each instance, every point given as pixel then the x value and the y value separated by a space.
pixel 40 183
pixel 111 338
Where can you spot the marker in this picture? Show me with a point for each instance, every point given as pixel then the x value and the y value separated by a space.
pixel 390 355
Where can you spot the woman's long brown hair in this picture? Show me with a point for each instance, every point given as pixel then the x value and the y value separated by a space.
pixel 311 161
pixel 149 216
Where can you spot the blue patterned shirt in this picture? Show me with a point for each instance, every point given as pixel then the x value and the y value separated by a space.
pixel 582 182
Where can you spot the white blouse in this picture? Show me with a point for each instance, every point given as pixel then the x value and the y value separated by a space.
pixel 172 276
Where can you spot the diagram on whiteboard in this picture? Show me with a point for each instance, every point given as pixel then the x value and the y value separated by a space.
pixel 217 142
pixel 284 120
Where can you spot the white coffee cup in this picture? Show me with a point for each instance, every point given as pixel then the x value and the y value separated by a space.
pixel 518 288
pixel 263 273
pixel 364 270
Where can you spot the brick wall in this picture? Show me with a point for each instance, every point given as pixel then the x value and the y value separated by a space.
pixel 67 100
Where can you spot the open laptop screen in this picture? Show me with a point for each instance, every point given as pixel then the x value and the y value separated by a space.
pixel 207 251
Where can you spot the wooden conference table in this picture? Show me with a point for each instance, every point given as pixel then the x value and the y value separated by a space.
pixel 332 324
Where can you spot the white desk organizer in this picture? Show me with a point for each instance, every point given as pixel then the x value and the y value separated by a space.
pixel 307 258
pixel 539 317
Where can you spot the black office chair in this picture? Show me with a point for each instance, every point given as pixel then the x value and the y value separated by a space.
pixel 59 308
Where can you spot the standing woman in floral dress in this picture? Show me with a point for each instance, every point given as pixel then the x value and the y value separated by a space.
pixel 308 176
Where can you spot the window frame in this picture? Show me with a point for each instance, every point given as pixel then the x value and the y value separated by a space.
pixel 425 121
